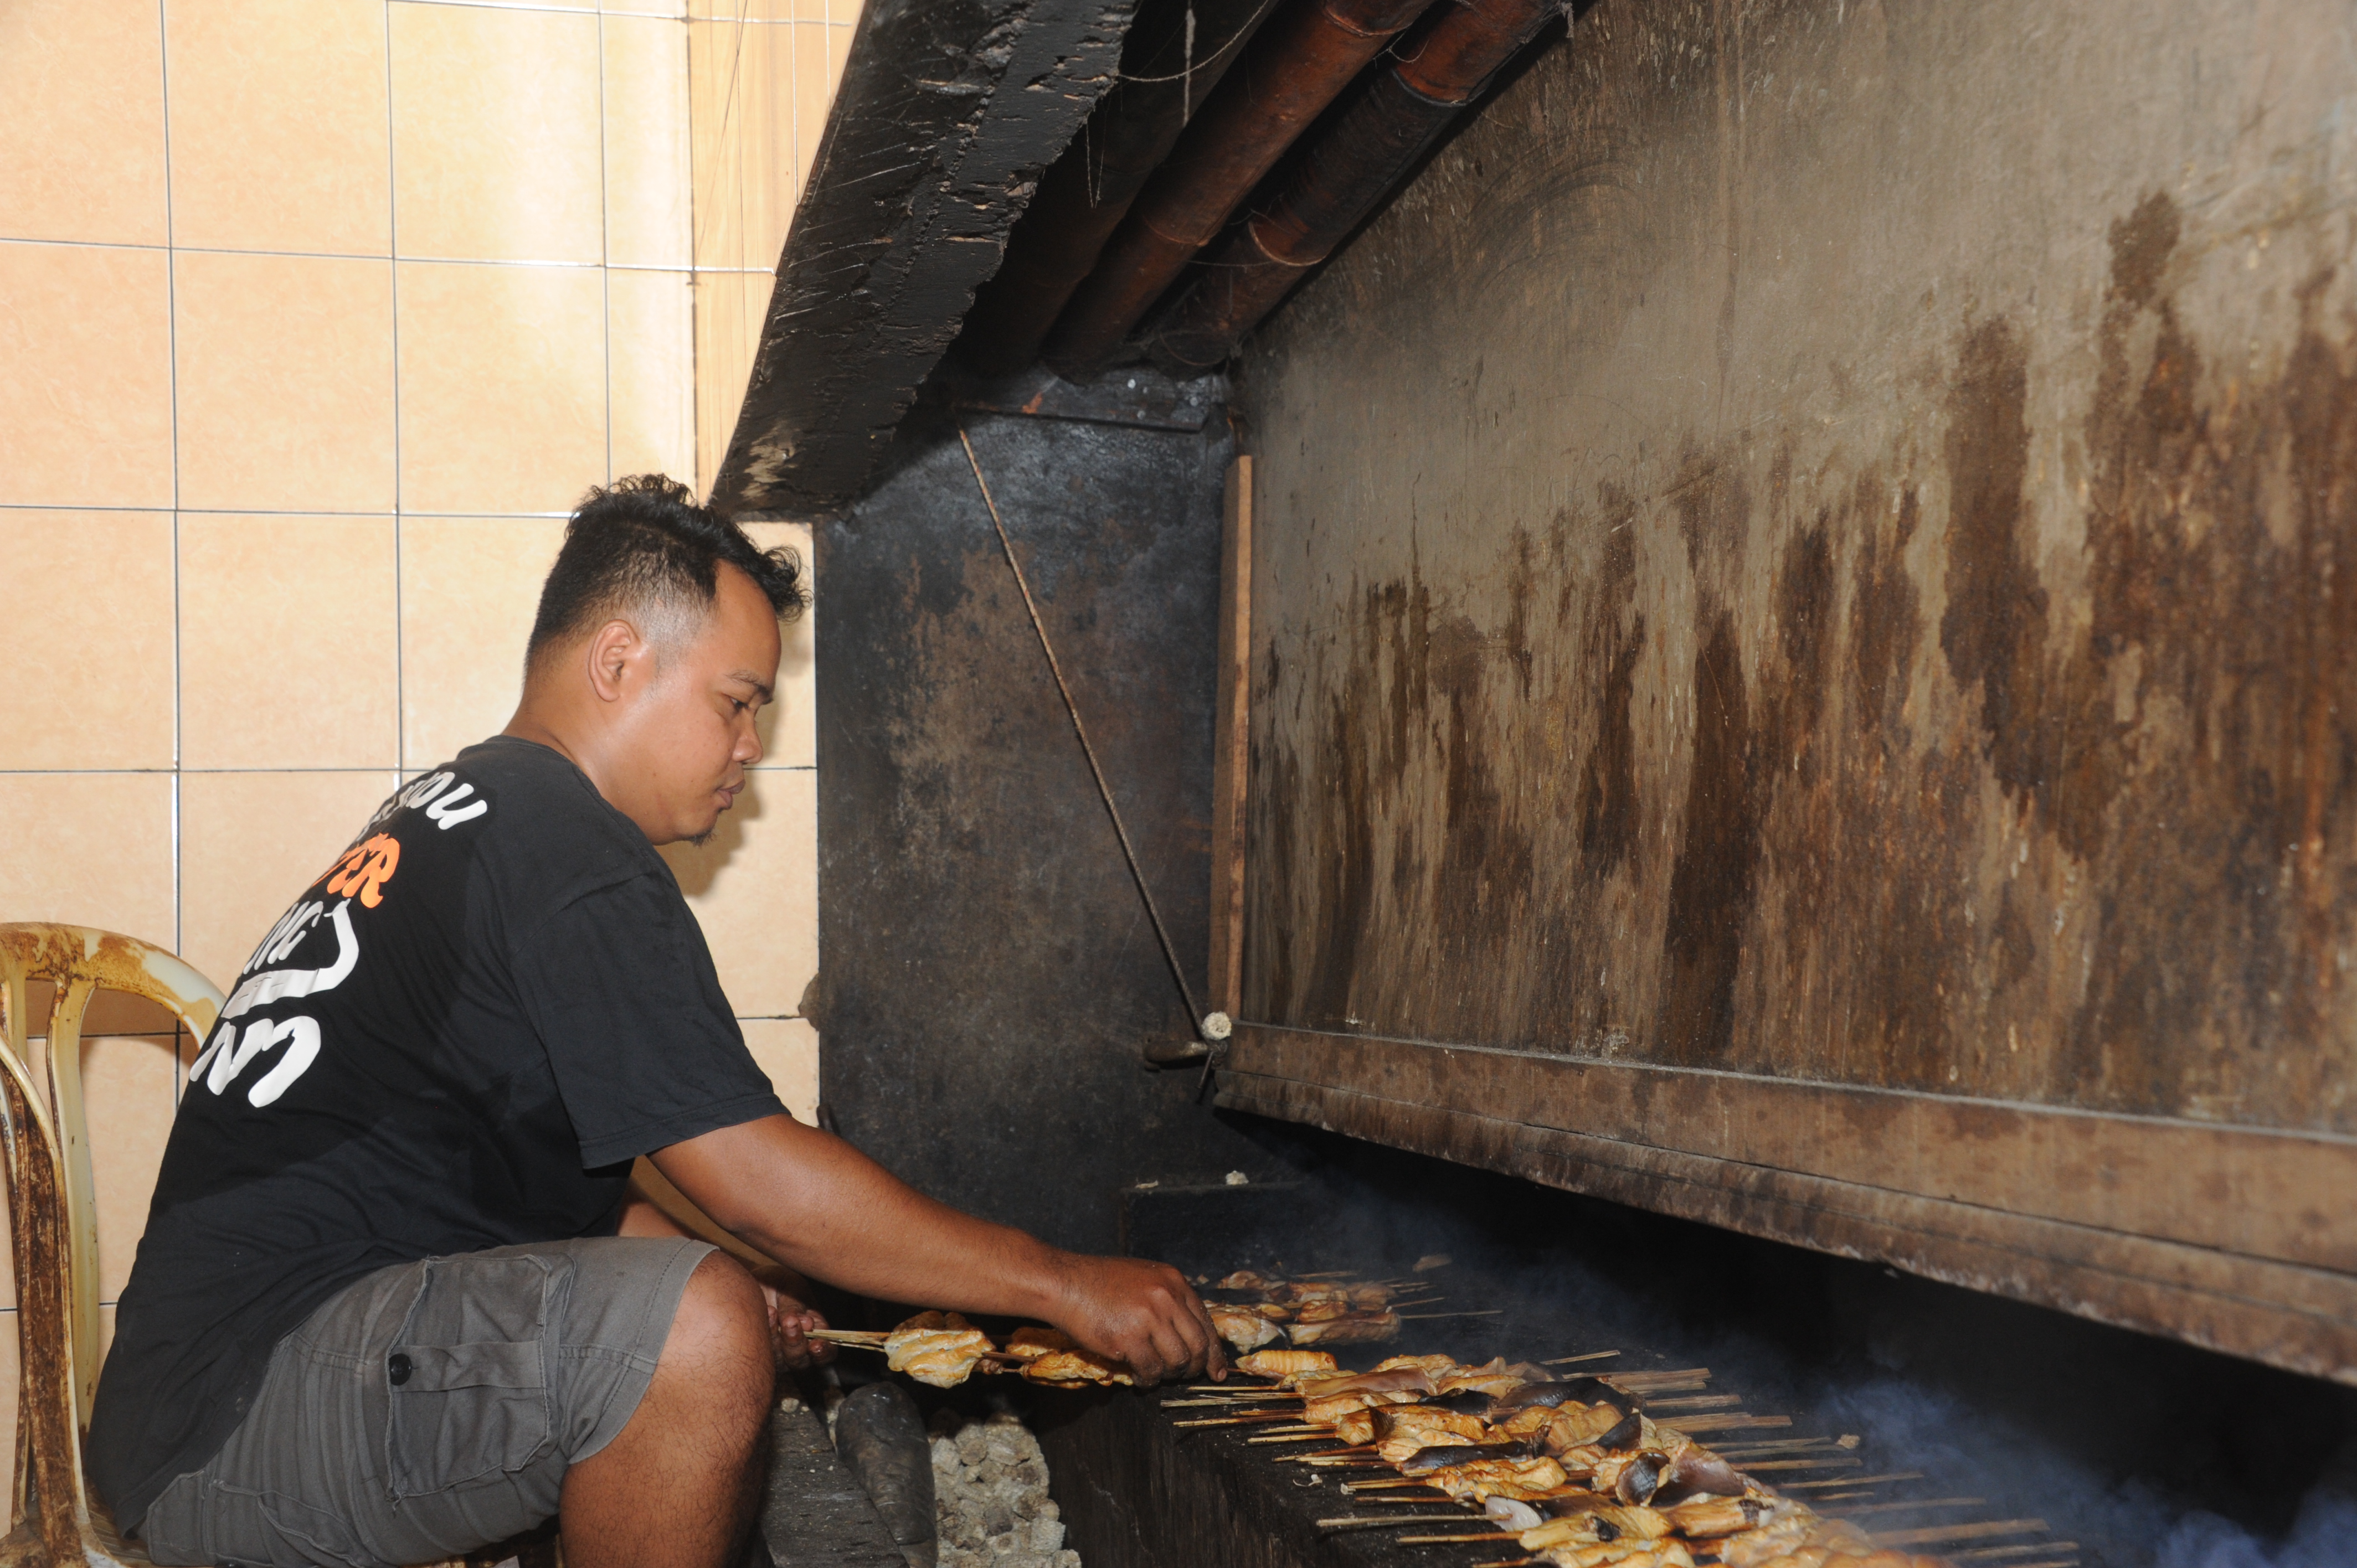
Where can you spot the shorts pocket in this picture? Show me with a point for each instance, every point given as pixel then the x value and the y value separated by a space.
pixel 324 1536
pixel 468 1376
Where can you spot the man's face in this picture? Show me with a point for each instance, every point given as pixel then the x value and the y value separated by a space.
pixel 691 730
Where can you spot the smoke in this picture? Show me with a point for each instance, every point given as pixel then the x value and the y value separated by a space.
pixel 2139 1451
pixel 2324 1536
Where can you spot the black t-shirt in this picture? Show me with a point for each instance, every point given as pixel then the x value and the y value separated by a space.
pixel 458 1038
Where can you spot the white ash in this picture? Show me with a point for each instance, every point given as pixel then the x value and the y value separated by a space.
pixel 990 1489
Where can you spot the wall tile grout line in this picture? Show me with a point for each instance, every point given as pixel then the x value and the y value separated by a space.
pixel 172 348
pixel 282 511
pixel 549 263
pixel 371 256
pixel 605 248
pixel 393 242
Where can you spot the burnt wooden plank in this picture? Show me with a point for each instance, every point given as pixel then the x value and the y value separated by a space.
pixel 813 1513
pixel 2256 1193
pixel 1232 741
pixel 2302 1319
pixel 947 112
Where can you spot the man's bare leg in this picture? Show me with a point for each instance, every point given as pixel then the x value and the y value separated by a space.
pixel 679 1487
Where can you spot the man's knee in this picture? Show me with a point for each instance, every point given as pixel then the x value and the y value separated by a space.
pixel 721 1330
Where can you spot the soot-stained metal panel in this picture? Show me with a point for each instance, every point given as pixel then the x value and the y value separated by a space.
pixel 988 971
pixel 1818 542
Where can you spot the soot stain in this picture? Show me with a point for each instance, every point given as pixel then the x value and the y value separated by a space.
pixel 1885 617
pixel 2182 738
pixel 1414 824
pixel 1718 854
pixel 2220 543
pixel 1610 807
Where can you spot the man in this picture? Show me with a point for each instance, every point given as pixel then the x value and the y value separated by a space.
pixel 394 1301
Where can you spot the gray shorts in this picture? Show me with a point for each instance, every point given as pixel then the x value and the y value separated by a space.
pixel 432 1408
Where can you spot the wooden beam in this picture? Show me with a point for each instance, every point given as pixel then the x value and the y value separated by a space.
pixel 2081 1211
pixel 1231 752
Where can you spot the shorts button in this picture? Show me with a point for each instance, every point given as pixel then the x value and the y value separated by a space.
pixel 397 1369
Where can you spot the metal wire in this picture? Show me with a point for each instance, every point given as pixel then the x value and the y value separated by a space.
pixel 1104 791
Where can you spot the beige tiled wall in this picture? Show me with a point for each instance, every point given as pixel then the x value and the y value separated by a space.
pixel 316 316
pixel 761 76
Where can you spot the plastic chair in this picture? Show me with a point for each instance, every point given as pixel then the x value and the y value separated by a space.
pixel 53 1219
pixel 53 1225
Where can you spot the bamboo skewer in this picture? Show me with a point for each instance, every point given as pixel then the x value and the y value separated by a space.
pixel 1843 1480
pixel 1233 1420
pixel 1389 1522
pixel 1435 1539
pixel 1830 1462
pixel 1590 1355
pixel 1958 1531
pixel 869 1340
pixel 2029 1548
pixel 1420 1316
pixel 1697 1401
pixel 1916 1503
pixel 1766 1446
pixel 1395 1502
pixel 1635 1383
pixel 1735 1421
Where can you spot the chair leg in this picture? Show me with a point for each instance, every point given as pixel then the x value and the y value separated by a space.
pixel 45 1392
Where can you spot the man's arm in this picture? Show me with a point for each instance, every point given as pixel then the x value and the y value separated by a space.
pixel 791 1318
pixel 817 1205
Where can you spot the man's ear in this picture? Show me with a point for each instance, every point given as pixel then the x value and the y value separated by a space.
pixel 613 650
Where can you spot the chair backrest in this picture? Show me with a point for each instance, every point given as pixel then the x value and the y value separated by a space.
pixel 53 1218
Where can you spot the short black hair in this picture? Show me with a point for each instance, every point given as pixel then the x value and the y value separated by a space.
pixel 645 541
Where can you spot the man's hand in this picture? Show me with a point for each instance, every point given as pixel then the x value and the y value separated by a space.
pixel 817 1205
pixel 791 1322
pixel 1141 1313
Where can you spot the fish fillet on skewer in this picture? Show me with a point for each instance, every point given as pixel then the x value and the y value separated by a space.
pixel 1244 1329
pixel 1076 1366
pixel 1350 1329
pixel 1287 1367
pixel 1483 1477
pixel 1433 1366
pixel 1708 1517
pixel 1033 1343
pixel 937 1347
pixel 1620 1554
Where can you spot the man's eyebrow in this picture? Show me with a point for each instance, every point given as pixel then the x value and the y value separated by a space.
pixel 753 680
